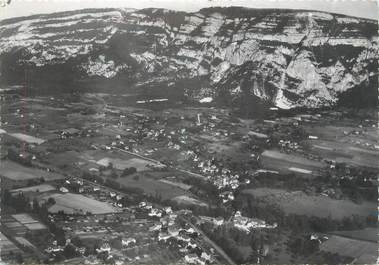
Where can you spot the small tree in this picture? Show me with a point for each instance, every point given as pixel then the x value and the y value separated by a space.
pixel 129 171
pixel 113 174
pixel 70 251
pixel 51 201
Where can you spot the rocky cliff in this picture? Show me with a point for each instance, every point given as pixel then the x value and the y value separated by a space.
pixel 284 58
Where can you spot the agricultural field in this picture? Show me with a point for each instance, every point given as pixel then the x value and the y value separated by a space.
pixel 7 246
pixel 176 184
pixel 139 164
pixel 151 186
pixel 16 172
pixel 27 138
pixel 186 200
pixel 328 132
pixel 72 203
pixel 159 255
pixel 169 154
pixel 97 155
pixel 321 206
pixel 368 234
pixel 343 133
pixel 363 252
pixel 289 163
pixel 230 150
pixel 37 188
pixel 207 165
pixel 24 218
pixel 280 254
pixel 345 152
pixel 64 159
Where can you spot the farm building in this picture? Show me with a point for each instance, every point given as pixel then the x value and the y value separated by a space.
pixel 70 132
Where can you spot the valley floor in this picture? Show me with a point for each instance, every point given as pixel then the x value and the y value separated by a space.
pixel 102 180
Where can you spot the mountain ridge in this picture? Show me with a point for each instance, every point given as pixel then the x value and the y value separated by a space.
pixel 285 58
pixel 13 19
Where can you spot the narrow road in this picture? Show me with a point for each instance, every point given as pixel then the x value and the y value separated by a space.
pixel 137 155
pixel 218 249
pixel 158 162
pixel 191 173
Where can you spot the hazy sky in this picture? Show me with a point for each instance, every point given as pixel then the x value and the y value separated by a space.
pixel 360 8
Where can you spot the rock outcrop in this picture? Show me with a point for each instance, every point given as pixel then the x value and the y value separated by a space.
pixel 284 58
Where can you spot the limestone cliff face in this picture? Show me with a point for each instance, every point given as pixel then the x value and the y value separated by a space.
pixel 282 57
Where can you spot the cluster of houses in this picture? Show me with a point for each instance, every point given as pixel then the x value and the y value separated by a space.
pixel 98 233
pixel 288 145
pixel 215 221
pixel 193 258
pixel 78 185
pixel 168 230
pixel 223 179
pixel 248 224
pixel 239 221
